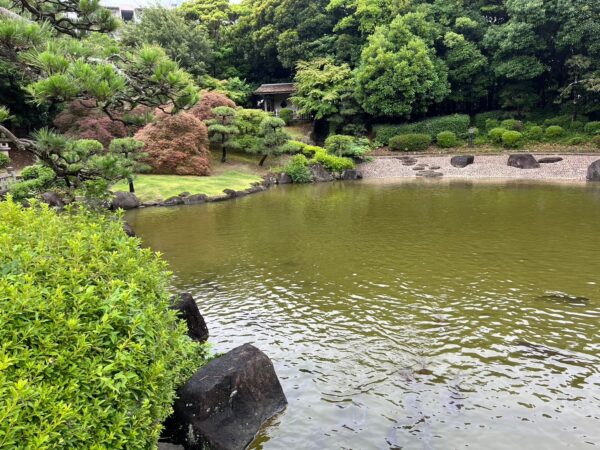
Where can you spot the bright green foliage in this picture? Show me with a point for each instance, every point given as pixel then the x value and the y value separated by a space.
pixel 446 139
pixel 457 123
pixel 512 139
pixel 298 169
pixel 399 73
pixel 339 144
pixel 512 124
pixel 131 152
pixel 287 115
pixel 411 142
pixel 4 160
pixel 554 131
pixel 535 133
pixel 4 114
pixel 248 123
pixel 91 354
pixel 35 180
pixel 495 134
pixel 592 127
pixel 331 162
pixel 273 136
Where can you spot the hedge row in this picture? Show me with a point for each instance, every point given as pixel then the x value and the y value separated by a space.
pixel 456 123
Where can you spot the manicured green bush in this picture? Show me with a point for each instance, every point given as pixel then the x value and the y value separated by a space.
pixel 410 142
pixel 535 133
pixel 562 121
pixel 592 127
pixel 446 139
pixel 512 124
pixel 91 354
pixel 512 139
pixel 596 141
pixel 576 140
pixel 491 123
pixel 295 147
pixel 554 131
pixel 495 135
pixel 35 180
pixel 457 123
pixel 311 150
pixel 4 160
pixel 287 115
pixel 339 144
pixel 298 169
pixel 331 162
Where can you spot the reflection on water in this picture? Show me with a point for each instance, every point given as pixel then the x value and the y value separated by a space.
pixel 417 315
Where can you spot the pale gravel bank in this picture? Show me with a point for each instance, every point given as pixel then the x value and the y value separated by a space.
pixel 572 167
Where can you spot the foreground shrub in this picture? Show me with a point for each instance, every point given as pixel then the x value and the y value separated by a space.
pixel 4 161
pixel 535 133
pixel 34 180
pixel 203 110
pixel 331 162
pixel 91 355
pixel 410 142
pixel 176 145
pixel 457 123
pixel 495 135
pixel 287 115
pixel 554 131
pixel 298 169
pixel 592 128
pixel 512 139
pixel 512 124
pixel 446 139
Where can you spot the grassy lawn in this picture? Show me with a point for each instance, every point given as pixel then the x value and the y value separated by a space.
pixel 160 187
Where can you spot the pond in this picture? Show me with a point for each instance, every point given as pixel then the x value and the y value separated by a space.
pixel 413 315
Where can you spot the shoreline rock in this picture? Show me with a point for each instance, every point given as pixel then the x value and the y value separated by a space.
pixel 187 310
pixel 593 172
pixel 523 161
pixel 462 161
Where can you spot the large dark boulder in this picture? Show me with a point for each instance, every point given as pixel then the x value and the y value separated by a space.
pixel 319 173
pixel 187 310
pixel 224 404
pixel 593 172
pixel 461 161
pixel 124 200
pixel 53 199
pixel 523 161
pixel 351 174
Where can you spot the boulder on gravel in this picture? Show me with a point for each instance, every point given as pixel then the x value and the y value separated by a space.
pixel 53 199
pixel 593 172
pixel 461 161
pixel 224 404
pixel 187 310
pixel 319 173
pixel 124 200
pixel 523 161
pixel 549 159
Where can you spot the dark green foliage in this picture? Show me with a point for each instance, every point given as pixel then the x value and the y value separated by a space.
pixel 222 128
pixel 457 123
pixel 91 353
pixel 596 141
pixel 287 115
pixel 273 137
pixel 298 169
pixel 481 119
pixel 446 139
pixel 512 139
pixel 576 140
pixel 4 161
pixel 554 131
pixel 491 123
pixel 535 133
pixel 592 127
pixel 563 121
pixel 410 142
pixel 495 135
pixel 512 124
pixel 339 144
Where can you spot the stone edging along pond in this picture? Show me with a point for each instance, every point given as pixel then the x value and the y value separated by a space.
pixel 128 200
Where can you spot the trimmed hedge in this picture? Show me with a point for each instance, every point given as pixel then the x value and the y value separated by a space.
pixel 554 131
pixel 592 127
pixel 331 162
pixel 535 133
pixel 457 123
pixel 91 355
pixel 446 139
pixel 495 135
pixel 511 139
pixel 512 124
pixel 410 142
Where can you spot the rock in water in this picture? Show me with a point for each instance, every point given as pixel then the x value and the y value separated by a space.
pixel 224 404
pixel 549 159
pixel 284 178
pixel 593 172
pixel 319 173
pixel 461 161
pixel 351 174
pixel 125 200
pixel 128 229
pixel 523 161
pixel 187 310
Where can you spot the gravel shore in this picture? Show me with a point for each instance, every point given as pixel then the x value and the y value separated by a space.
pixel 572 167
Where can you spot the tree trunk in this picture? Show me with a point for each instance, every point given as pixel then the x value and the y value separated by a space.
pixel 67 182
pixel 224 156
pixel 131 187
pixel 262 160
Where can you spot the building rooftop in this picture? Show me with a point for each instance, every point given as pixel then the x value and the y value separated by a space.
pixel 276 88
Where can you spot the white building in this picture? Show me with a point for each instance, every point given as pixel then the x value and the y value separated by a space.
pixel 128 10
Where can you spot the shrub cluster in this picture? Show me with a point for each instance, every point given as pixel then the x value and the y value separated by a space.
pixel 287 115
pixel 298 169
pixel 91 355
pixel 592 127
pixel 512 139
pixel 495 135
pixel 535 133
pixel 446 139
pixel 4 161
pixel 331 162
pixel 345 145
pixel 34 180
pixel 410 142
pixel 554 131
pixel 457 123
pixel 512 124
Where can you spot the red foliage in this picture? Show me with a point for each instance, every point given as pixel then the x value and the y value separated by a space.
pixel 82 121
pixel 203 109
pixel 176 145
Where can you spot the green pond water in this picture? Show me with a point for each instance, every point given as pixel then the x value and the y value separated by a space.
pixel 412 315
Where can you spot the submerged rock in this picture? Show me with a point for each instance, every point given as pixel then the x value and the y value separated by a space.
pixel 523 161
pixel 124 200
pixel 224 404
pixel 187 310
pixel 461 161
pixel 593 172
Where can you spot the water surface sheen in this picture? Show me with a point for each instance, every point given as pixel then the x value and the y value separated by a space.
pixel 414 316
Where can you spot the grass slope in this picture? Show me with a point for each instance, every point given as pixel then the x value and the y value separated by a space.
pixel 160 187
